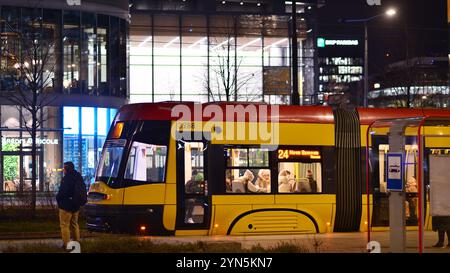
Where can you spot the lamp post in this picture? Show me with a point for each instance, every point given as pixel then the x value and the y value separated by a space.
pixel 390 13
pixel 295 100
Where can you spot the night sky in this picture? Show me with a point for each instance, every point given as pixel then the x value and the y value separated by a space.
pixel 424 22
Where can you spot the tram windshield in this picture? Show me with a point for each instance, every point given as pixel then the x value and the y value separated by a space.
pixel 110 161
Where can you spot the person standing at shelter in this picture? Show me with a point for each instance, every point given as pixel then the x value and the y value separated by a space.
pixel 441 224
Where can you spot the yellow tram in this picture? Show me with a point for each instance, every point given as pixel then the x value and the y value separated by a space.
pixel 240 169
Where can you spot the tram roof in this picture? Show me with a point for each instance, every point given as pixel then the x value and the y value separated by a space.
pixel 284 113
pixel 369 115
pixel 168 111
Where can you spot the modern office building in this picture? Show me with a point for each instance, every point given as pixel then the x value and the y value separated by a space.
pixel 204 51
pixel 109 53
pixel 85 70
pixel 341 66
pixel 416 82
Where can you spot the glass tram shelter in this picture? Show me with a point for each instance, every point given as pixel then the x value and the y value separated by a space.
pixel 414 174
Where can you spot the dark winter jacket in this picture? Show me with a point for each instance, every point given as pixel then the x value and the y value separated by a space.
pixel 66 189
pixel 440 222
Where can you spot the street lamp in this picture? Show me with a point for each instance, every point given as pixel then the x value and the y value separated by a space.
pixel 389 13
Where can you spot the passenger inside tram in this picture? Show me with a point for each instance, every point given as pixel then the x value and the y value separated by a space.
pixel 263 180
pixel 286 181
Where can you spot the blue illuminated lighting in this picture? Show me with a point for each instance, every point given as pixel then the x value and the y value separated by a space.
pixel 85 132
pixel 70 115
pixel 88 120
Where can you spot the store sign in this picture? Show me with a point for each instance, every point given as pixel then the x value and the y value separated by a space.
pixel 290 154
pixel 322 42
pixel 29 141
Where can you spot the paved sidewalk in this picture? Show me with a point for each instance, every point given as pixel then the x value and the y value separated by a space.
pixel 351 242
pixel 354 242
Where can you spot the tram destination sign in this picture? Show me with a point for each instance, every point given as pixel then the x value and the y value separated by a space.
pixel 291 153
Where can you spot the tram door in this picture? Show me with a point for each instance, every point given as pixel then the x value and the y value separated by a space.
pixel 380 216
pixel 193 202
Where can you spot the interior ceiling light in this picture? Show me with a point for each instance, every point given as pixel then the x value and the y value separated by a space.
pixel 145 41
pixel 171 42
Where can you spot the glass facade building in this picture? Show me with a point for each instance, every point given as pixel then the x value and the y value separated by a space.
pixel 89 50
pixel 82 61
pixel 341 68
pixel 219 52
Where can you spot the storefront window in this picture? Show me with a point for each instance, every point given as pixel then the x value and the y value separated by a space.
pixel 10 48
pixel 222 61
pixel 51 33
pixel 88 71
pixel 249 58
pixel 71 53
pixel 167 58
pixel 114 51
pixel 223 57
pixel 141 59
pixel 88 142
pixel 16 158
pixel 124 63
pixel 102 54
pixel 194 58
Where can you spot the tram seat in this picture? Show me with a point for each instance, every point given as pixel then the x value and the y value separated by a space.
pixel 237 186
pixel 285 187
pixel 302 185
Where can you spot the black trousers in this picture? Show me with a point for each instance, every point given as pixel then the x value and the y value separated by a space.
pixel 441 234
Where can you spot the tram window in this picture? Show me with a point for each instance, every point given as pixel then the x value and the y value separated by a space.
pixel 194 173
pixel 411 159
pixel 111 157
pixel 299 177
pixel 237 157
pixel 146 162
pixel 195 211
pixel 247 170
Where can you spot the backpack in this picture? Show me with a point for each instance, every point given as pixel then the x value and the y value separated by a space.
pixel 79 197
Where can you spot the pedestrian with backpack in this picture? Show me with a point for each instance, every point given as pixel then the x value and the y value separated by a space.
pixel 71 196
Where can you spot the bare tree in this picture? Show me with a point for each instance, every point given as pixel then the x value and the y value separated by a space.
pixel 227 78
pixel 31 67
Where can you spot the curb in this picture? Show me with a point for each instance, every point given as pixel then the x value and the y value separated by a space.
pixel 38 235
